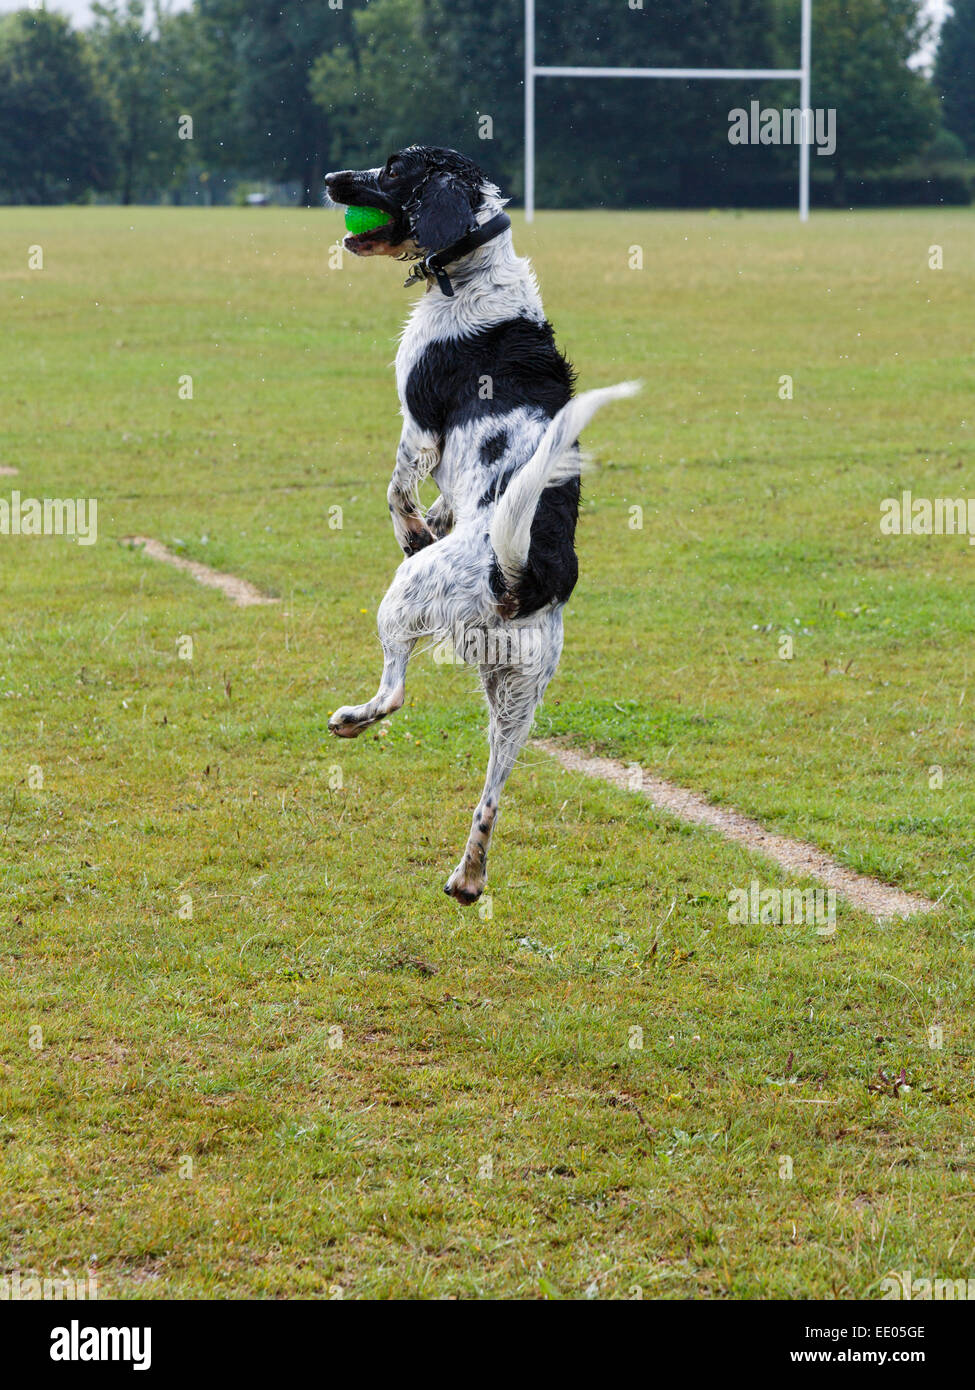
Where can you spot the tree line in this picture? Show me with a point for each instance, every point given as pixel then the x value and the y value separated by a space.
pixel 147 104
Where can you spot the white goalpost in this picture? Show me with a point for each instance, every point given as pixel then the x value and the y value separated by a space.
pixel 803 74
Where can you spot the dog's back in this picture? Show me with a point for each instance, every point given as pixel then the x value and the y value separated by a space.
pixel 486 382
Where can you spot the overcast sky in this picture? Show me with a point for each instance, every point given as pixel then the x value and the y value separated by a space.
pixel 80 10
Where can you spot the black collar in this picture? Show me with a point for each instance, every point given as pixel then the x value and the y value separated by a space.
pixel 433 266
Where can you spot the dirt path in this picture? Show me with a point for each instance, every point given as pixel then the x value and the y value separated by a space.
pixel 795 856
pixel 240 591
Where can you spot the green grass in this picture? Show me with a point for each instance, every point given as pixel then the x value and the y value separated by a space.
pixel 333 1044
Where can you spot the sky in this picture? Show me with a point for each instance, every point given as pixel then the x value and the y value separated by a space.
pixel 80 10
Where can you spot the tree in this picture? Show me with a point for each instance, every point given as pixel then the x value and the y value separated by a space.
pixel 199 74
pixel 125 40
pixel 451 72
pixel 675 133
pixel 954 73
pixel 273 45
pixel 885 111
pixel 377 91
pixel 57 134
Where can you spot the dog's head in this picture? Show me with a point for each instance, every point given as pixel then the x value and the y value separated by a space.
pixel 433 196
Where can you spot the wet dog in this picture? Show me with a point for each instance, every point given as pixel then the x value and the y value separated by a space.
pixel 488 413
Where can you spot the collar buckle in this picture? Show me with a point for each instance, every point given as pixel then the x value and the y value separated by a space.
pixel 433 266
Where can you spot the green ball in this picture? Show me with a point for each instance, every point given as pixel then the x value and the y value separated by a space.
pixel 358 220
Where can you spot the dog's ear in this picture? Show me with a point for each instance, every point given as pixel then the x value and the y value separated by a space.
pixel 442 213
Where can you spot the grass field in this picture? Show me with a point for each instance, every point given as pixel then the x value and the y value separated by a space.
pixel 247 1046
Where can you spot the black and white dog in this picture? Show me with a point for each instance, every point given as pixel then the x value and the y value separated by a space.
pixel 488 412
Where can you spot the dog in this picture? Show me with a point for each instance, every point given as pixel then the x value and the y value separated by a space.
pixel 489 413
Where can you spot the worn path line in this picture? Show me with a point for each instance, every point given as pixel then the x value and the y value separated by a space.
pixel 241 591
pixel 797 857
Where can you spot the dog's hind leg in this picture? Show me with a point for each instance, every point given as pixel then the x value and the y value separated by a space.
pixel 514 694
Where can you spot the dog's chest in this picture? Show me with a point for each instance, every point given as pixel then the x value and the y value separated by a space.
pixel 437 323
pixel 430 323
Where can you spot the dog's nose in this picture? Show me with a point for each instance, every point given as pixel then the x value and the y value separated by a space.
pixel 337 179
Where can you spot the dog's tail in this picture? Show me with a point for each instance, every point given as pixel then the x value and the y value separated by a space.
pixel 553 461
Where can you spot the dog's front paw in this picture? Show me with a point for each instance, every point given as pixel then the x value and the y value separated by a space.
pixel 440 519
pixel 416 539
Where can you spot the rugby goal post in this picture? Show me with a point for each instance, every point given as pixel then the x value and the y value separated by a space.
pixel 803 74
